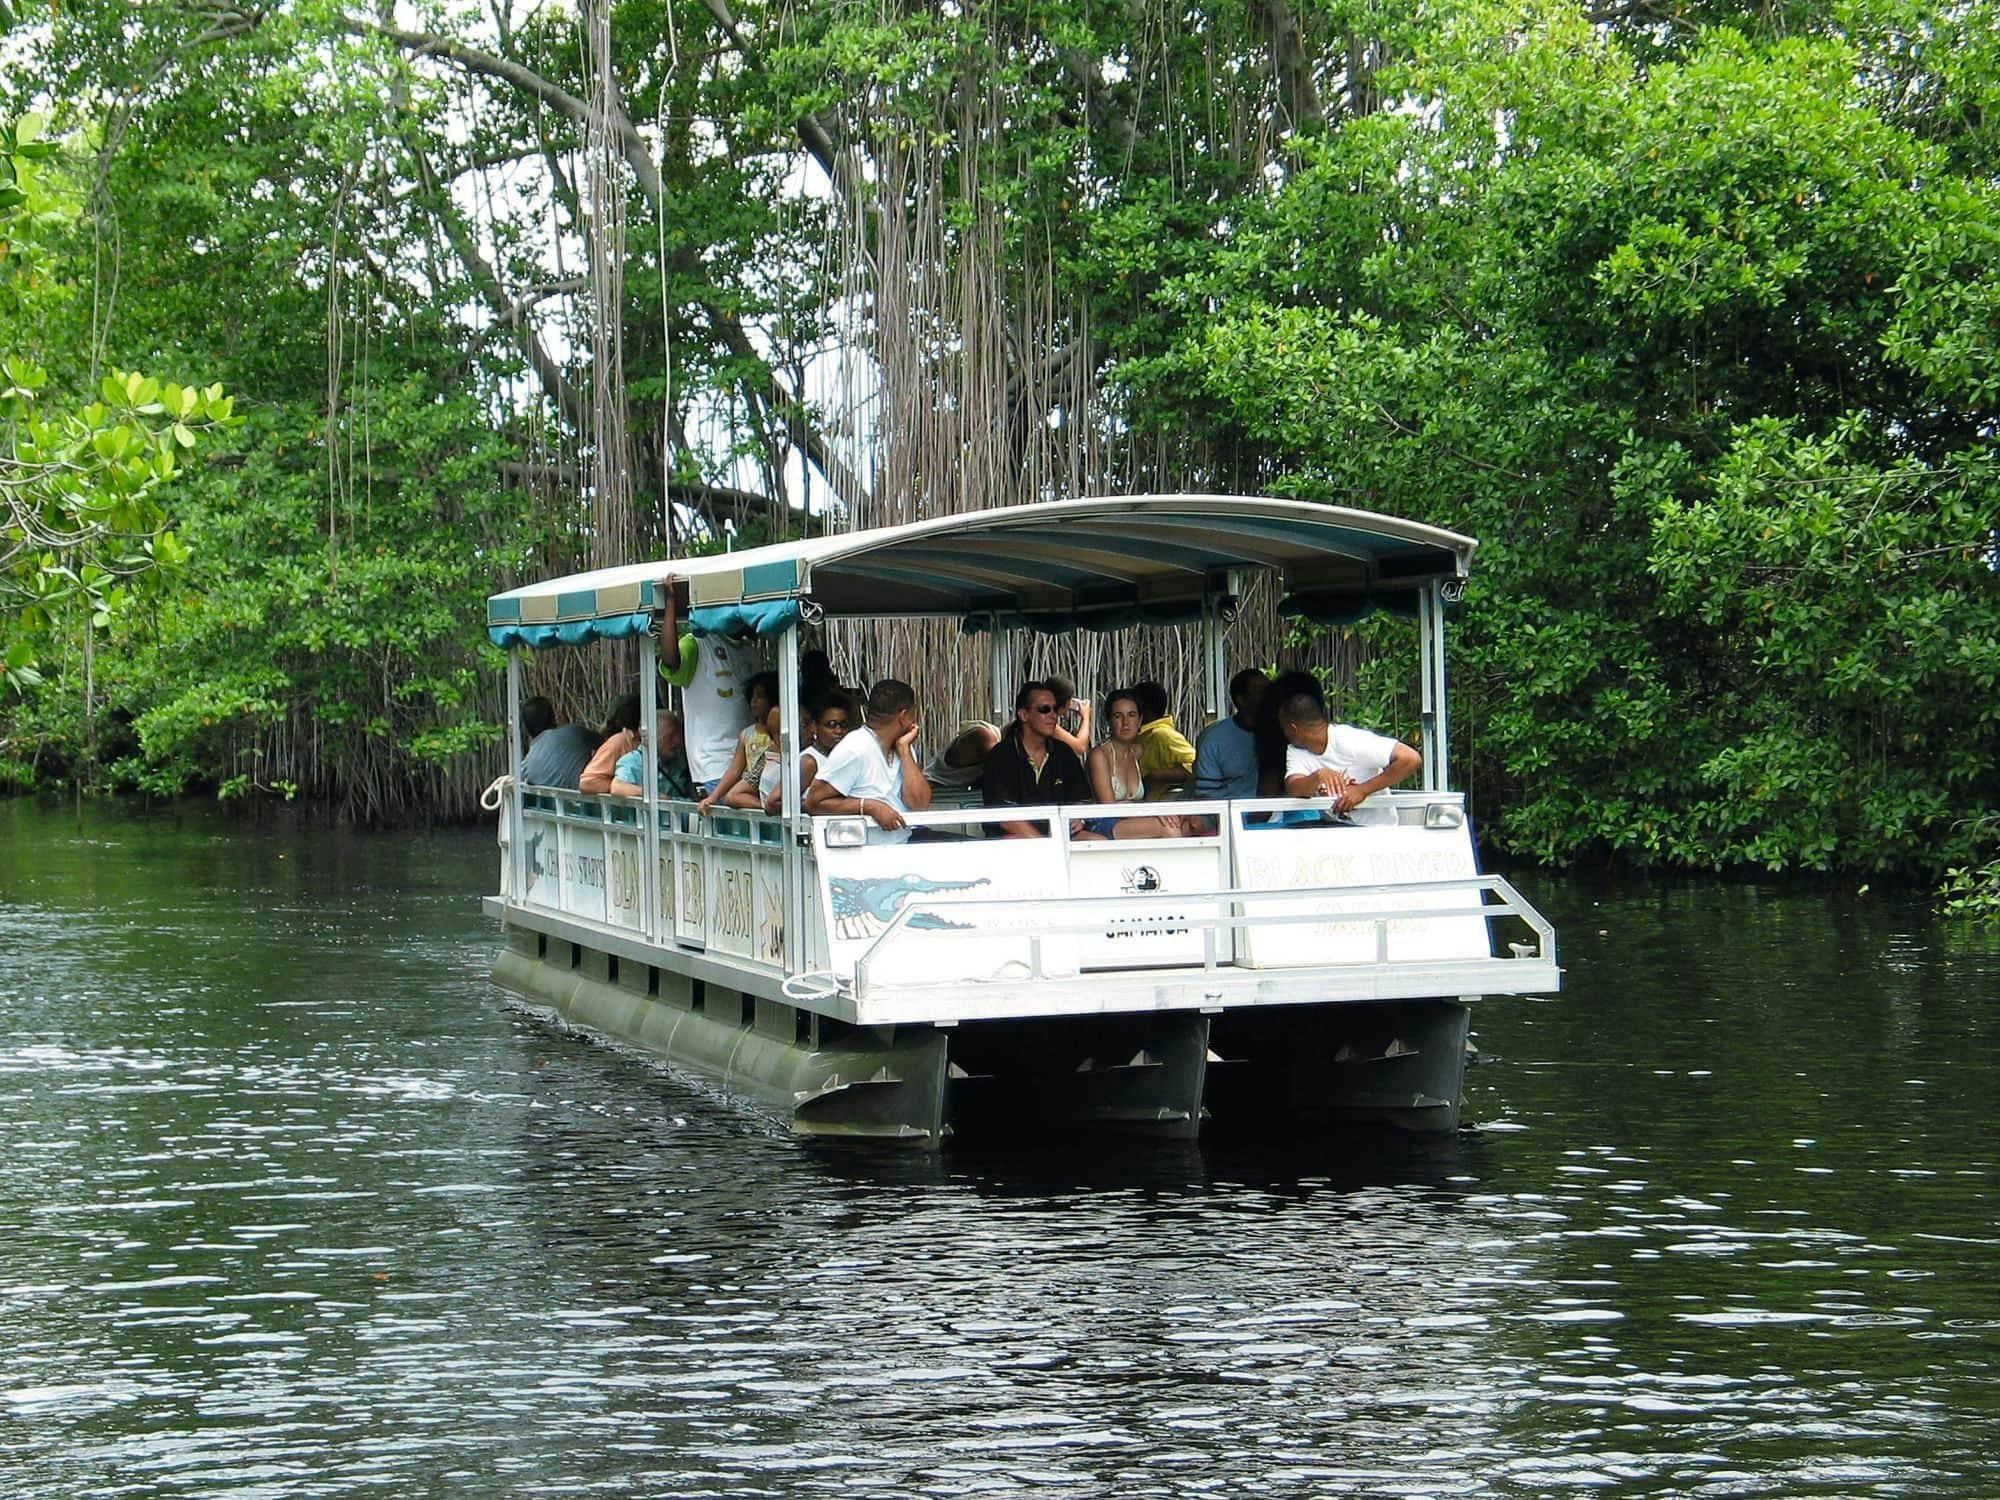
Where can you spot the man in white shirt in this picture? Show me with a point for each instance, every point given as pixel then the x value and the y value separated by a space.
pixel 712 673
pixel 873 771
pixel 1340 761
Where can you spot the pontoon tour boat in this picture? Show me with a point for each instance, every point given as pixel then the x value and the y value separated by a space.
pixel 1271 968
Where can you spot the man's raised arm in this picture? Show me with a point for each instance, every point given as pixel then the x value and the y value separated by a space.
pixel 916 786
pixel 670 633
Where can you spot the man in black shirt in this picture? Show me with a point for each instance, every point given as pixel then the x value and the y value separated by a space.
pixel 1030 767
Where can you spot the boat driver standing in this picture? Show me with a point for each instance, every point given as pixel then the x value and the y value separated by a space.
pixel 713 674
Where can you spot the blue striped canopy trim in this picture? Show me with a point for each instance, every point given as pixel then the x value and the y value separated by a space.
pixel 608 612
pixel 740 620
pixel 770 579
pixel 773 617
pixel 571 632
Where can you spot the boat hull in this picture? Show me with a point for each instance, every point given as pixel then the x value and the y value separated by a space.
pixel 1170 1075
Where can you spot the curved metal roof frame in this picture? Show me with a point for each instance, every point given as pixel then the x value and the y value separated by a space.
pixel 1046 559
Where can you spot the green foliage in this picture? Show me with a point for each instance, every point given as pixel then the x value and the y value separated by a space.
pixel 82 523
pixel 348 628
pixel 1702 350
pixel 1688 314
pixel 1971 892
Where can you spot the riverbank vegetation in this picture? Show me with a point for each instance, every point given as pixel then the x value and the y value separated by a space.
pixel 1688 313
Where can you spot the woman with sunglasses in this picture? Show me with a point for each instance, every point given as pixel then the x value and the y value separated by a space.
pixel 829 720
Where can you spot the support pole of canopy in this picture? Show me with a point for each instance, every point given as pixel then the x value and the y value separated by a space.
pixel 1437 591
pixel 1215 664
pixel 1426 647
pixel 510 810
pixel 790 745
pixel 999 700
pixel 649 776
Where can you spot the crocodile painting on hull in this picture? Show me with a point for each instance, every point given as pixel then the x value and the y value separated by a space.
pixel 862 908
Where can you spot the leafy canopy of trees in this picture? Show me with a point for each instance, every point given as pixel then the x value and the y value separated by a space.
pixel 1705 352
pixel 1688 313
pixel 82 528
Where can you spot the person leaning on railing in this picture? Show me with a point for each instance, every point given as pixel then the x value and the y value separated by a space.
pixel 754 743
pixel 873 772
pixel 1342 762
pixel 770 783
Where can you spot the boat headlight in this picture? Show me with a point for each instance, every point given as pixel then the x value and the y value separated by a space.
pixel 1442 815
pixel 846 833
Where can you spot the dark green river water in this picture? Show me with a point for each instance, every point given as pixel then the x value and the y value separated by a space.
pixel 292 1204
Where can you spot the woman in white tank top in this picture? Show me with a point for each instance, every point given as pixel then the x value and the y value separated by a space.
pixel 1115 775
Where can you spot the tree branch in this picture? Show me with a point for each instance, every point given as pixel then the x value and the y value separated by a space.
pixel 814 133
pixel 631 145
pixel 487 282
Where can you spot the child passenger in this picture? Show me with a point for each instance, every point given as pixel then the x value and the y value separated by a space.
pixel 746 762
pixel 770 784
pixel 1165 756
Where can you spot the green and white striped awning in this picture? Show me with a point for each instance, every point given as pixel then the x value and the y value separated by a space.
pixel 1101 563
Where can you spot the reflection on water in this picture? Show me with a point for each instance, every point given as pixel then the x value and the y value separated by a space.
pixel 293 1204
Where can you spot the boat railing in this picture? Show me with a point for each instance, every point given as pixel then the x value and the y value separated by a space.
pixel 1410 809
pixel 745 885
pixel 718 885
pixel 1041 925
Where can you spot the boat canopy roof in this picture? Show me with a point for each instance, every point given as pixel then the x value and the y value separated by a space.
pixel 1054 566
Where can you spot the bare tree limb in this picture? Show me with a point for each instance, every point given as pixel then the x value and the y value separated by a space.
pixel 814 133
pixel 633 148
pixel 631 145
pixel 486 281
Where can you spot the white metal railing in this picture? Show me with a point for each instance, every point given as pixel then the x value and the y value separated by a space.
pixel 1408 805
pixel 685 841
pixel 1061 922
pixel 683 837
pixel 769 828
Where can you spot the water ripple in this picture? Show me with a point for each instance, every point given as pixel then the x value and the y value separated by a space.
pixel 296 1206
